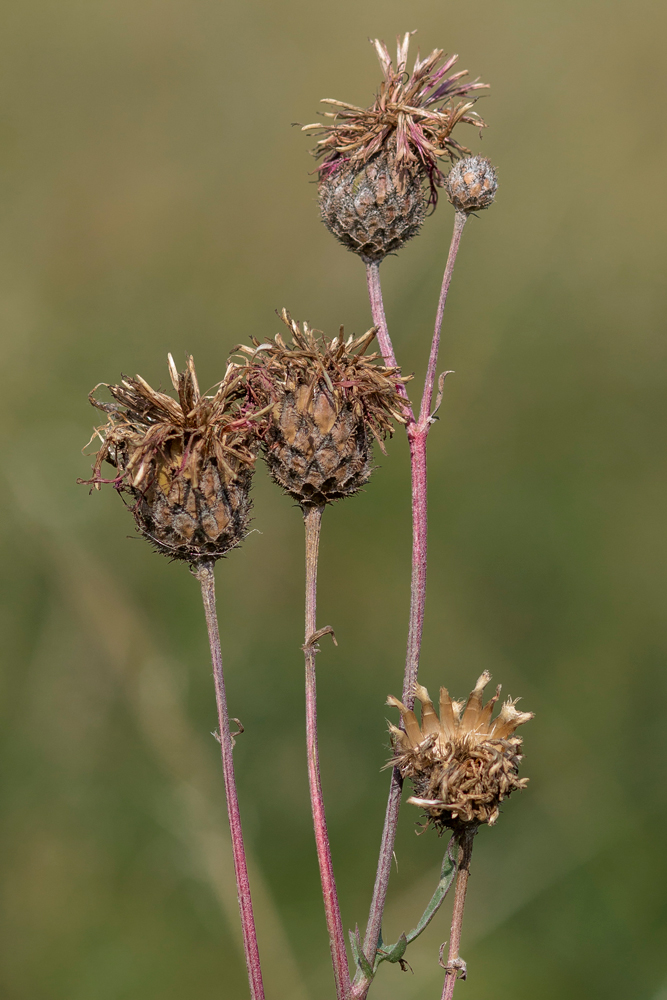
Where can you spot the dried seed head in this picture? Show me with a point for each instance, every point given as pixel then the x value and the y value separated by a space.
pixel 368 210
pixel 463 764
pixel 471 184
pixel 327 403
pixel 187 464
pixel 377 160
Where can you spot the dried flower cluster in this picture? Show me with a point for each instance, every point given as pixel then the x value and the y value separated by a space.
pixel 376 160
pixel 187 464
pixel 463 764
pixel 418 113
pixel 328 402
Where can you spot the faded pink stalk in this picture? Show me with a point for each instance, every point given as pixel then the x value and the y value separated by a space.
pixel 313 520
pixel 206 578
pixel 417 431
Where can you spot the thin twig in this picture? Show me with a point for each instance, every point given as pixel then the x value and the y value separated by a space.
pixel 456 967
pixel 460 219
pixel 313 520
pixel 417 435
pixel 207 580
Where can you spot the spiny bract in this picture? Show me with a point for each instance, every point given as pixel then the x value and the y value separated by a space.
pixel 327 404
pixel 463 764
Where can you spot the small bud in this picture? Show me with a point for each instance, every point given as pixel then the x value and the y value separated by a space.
pixel 471 184
pixel 327 403
pixel 186 464
pixel 380 168
pixel 462 764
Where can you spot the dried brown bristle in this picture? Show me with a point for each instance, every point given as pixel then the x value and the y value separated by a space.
pixel 187 464
pixel 462 764
pixel 328 403
pixel 376 161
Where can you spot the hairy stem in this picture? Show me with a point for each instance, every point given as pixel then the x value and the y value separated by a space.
pixel 313 521
pixel 460 220
pixel 207 580
pixel 417 435
pixel 455 967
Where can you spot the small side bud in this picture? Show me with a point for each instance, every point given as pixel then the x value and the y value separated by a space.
pixel 471 184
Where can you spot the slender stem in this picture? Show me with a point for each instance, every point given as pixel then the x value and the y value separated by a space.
pixel 313 521
pixel 380 321
pixel 417 435
pixel 460 219
pixel 454 964
pixel 207 580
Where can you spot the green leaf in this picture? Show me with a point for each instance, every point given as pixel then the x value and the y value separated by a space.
pixel 357 951
pixel 447 876
pixel 392 953
pixel 395 952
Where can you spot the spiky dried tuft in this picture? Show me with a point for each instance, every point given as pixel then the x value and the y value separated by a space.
pixel 464 763
pixel 186 464
pixel 328 402
pixel 413 117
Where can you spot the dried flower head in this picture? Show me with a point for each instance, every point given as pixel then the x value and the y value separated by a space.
pixel 376 160
pixel 463 764
pixel 187 464
pixel 471 184
pixel 328 402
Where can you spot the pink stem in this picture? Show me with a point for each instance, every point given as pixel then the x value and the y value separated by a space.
pixel 460 220
pixel 380 321
pixel 207 580
pixel 313 521
pixel 417 435
pixel 455 967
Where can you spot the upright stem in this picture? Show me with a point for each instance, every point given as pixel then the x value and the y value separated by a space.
pixel 207 581
pixel 454 964
pixel 313 521
pixel 460 220
pixel 417 432
pixel 380 321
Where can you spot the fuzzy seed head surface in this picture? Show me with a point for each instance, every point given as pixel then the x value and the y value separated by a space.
pixel 471 184
pixel 369 210
pixel 186 464
pixel 411 120
pixel 327 402
pixel 462 764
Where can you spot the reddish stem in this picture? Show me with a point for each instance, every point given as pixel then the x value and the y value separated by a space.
pixel 417 432
pixel 460 220
pixel 455 967
pixel 207 580
pixel 313 520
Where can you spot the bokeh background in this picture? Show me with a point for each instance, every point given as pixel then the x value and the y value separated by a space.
pixel 155 197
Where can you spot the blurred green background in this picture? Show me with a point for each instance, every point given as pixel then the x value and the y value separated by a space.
pixel 154 198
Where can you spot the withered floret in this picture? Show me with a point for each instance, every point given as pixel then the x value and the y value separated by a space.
pixel 186 463
pixel 378 161
pixel 464 763
pixel 328 403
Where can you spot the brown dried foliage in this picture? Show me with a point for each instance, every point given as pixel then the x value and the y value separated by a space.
pixel 327 403
pixel 464 763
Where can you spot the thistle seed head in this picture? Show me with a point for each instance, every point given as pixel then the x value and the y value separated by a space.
pixel 471 184
pixel 185 463
pixel 463 764
pixel 376 161
pixel 327 403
